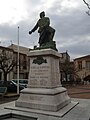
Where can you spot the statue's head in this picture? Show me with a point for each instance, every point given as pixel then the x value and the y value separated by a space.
pixel 42 14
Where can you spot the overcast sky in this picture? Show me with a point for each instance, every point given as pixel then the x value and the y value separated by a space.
pixel 68 17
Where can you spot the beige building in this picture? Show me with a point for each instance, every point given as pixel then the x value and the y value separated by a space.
pixel 24 61
pixel 65 57
pixel 82 65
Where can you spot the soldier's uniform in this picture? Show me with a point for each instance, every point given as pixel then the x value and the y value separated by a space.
pixel 44 30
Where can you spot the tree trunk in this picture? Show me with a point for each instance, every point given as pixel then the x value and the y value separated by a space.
pixel 66 77
pixel 5 79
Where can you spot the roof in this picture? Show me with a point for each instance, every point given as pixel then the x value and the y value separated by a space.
pixel 83 57
pixel 23 50
pixel 6 48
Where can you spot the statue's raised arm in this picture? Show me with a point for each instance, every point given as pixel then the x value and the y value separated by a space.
pixel 46 32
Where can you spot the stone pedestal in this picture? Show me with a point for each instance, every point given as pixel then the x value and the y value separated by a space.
pixel 44 91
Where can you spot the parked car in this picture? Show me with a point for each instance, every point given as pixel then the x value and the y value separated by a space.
pixel 11 86
pixel 22 82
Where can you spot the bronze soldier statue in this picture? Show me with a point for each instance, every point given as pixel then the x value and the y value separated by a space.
pixel 45 31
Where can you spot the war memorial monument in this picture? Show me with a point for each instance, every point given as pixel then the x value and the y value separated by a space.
pixel 44 94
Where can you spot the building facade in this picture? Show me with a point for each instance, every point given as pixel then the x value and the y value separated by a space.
pixel 24 61
pixel 82 64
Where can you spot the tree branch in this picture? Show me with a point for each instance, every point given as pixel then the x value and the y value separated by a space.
pixel 88 5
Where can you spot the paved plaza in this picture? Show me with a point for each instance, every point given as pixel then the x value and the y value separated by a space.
pixel 79 112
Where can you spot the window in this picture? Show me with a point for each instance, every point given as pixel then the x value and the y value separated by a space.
pixel 80 65
pixel 24 62
pixel 24 65
pixel 88 65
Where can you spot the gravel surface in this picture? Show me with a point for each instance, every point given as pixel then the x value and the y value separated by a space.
pixel 79 91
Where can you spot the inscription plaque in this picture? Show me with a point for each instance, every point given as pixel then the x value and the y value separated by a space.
pixel 39 74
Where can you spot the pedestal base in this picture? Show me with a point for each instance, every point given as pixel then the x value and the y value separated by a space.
pixel 43 99
pixel 44 91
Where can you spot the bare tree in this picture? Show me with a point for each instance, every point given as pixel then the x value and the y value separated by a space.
pixel 88 5
pixel 7 63
pixel 65 68
pixel 68 70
